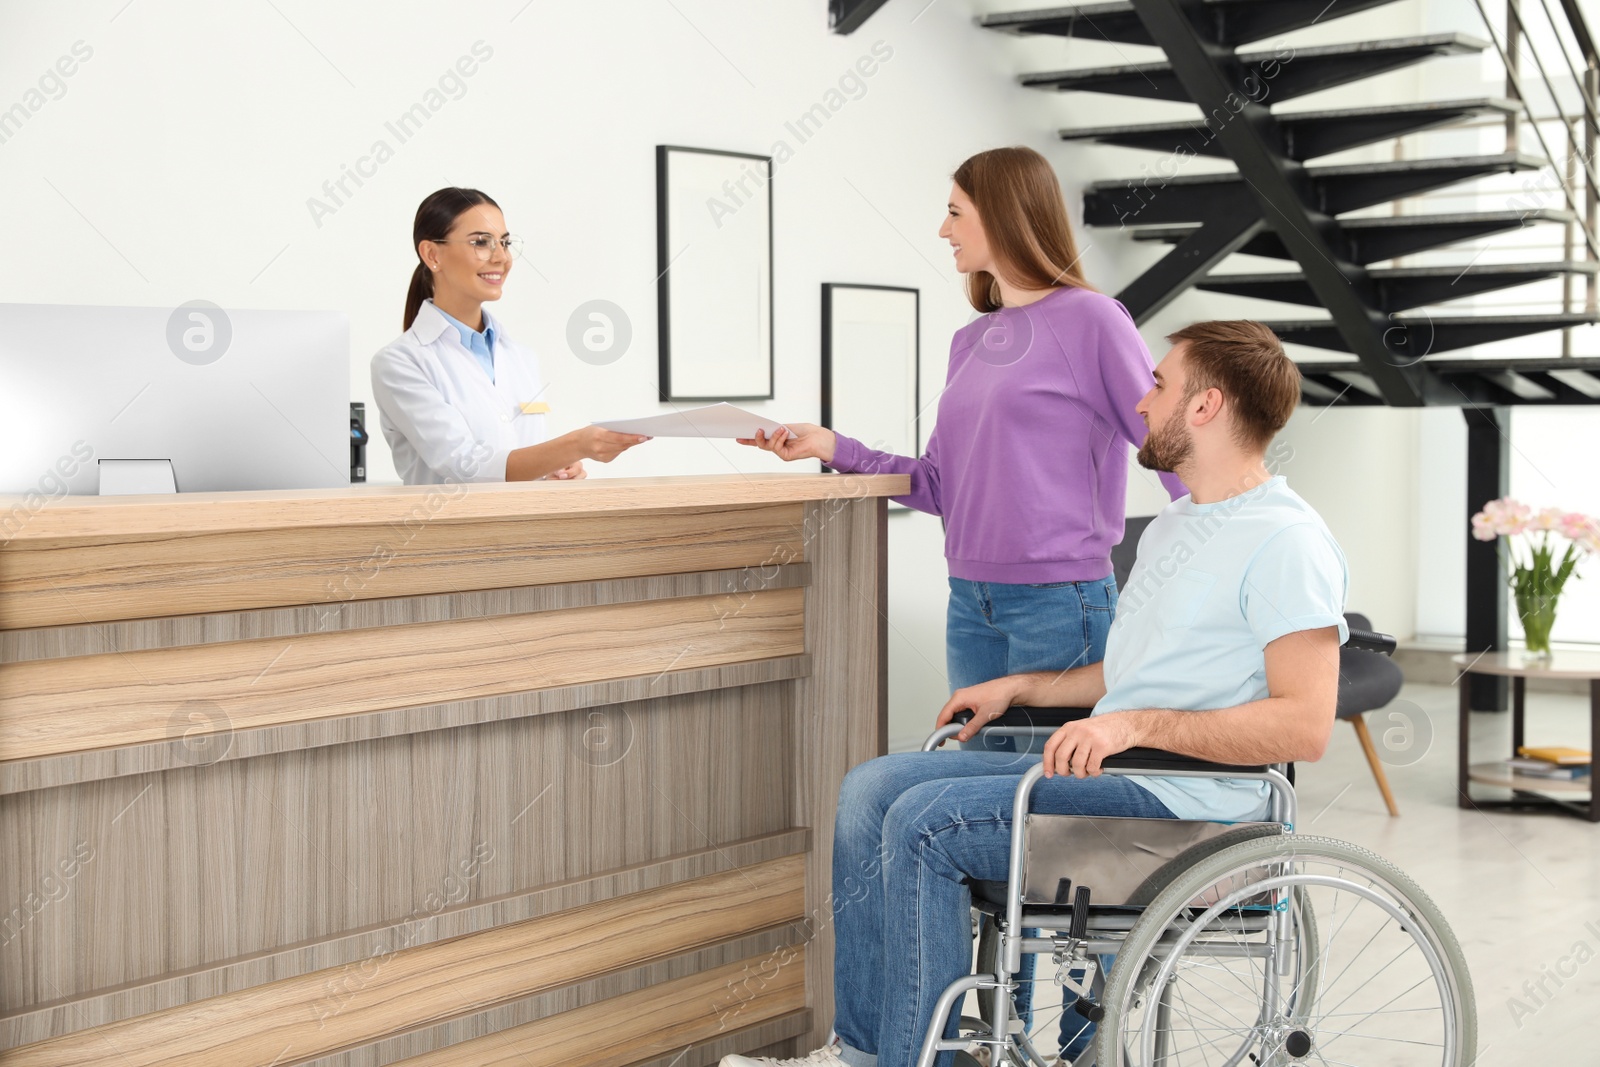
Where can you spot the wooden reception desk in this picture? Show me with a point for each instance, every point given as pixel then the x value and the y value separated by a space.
pixel 450 775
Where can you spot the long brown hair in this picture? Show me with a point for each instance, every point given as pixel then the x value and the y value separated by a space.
pixel 435 217
pixel 1024 217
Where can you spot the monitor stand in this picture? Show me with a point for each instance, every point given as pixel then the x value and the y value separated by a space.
pixel 122 477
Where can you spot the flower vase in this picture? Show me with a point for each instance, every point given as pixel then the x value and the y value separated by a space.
pixel 1538 614
pixel 1539 571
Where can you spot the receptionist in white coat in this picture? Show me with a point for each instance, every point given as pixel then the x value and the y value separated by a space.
pixel 458 399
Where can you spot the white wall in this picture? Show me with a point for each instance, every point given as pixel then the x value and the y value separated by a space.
pixel 1441 509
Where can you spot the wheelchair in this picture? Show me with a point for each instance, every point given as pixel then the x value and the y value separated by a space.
pixel 1203 944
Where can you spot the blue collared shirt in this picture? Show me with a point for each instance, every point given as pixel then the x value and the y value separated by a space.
pixel 481 345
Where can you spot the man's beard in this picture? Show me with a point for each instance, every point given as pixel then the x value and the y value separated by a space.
pixel 1167 446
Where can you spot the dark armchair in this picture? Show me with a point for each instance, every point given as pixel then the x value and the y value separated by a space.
pixel 1367 681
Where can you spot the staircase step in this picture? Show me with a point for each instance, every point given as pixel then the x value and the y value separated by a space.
pixel 1228 22
pixel 1335 189
pixel 1373 240
pixel 1283 76
pixel 1516 380
pixel 1342 384
pixel 1400 288
pixel 1306 134
pixel 1558 380
pixel 1412 337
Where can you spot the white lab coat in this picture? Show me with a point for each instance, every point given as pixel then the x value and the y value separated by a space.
pixel 445 421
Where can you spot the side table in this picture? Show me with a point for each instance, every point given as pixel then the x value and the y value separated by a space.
pixel 1528 793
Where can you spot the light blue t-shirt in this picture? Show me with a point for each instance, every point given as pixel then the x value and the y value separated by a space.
pixel 1212 586
pixel 479 342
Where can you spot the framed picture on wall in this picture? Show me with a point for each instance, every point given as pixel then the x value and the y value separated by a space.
pixel 714 274
pixel 871 358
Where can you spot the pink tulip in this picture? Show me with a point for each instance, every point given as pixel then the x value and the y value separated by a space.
pixel 1505 516
pixel 1588 536
pixel 1575 525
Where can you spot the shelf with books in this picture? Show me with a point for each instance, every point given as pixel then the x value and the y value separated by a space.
pixel 1540 778
pixel 1500 775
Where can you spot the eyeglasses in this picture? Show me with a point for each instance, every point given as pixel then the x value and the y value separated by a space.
pixel 484 244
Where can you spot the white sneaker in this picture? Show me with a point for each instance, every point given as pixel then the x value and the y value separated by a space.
pixel 828 1056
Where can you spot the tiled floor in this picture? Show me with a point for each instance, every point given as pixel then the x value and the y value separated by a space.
pixel 1521 891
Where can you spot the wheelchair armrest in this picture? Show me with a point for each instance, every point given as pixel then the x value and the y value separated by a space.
pixel 1155 759
pixel 1044 720
pixel 1370 641
pixel 1047 720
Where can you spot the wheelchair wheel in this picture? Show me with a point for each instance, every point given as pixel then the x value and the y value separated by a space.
pixel 1289 950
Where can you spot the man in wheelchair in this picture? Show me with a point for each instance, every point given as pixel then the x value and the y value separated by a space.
pixel 1225 647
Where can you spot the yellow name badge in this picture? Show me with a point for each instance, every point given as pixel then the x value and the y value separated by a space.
pixel 536 407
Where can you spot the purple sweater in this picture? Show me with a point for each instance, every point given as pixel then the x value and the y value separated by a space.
pixel 1028 462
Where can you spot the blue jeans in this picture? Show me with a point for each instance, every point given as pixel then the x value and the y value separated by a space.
pixel 912 828
pixel 997 628
pixel 993 629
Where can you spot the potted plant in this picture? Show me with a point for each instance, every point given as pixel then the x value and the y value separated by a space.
pixel 1536 574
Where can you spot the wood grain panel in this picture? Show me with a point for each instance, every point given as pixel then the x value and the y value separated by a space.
pixel 57 1016
pixel 635 1026
pixel 842 706
pixel 182 573
pixel 199 880
pixel 173 631
pixel 24 522
pixel 214 742
pixel 751 948
pixel 271 1023
pixel 96 702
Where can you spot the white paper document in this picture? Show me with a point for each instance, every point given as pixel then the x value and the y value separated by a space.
pixel 715 420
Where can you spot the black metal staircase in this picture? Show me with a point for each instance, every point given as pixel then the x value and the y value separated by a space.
pixel 1276 201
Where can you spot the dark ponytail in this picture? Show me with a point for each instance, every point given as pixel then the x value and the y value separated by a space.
pixel 435 217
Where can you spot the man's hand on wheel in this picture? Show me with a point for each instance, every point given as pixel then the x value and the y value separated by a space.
pixel 987 701
pixel 1078 747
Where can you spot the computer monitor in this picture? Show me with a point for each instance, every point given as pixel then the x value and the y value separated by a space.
pixel 233 399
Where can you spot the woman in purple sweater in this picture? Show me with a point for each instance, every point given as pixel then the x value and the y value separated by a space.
pixel 1028 462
